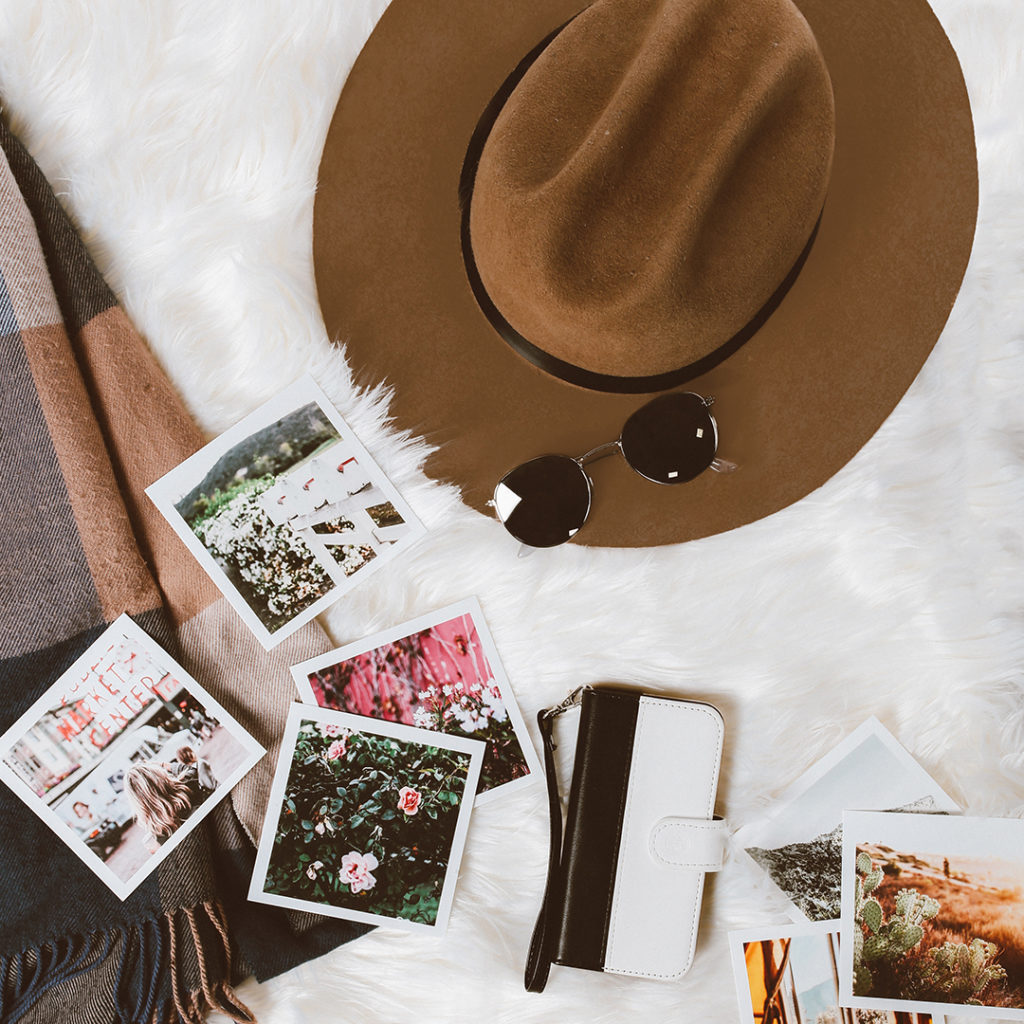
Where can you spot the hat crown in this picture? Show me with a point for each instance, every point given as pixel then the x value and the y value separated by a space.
pixel 653 179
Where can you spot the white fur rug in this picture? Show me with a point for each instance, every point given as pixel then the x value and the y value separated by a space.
pixel 185 138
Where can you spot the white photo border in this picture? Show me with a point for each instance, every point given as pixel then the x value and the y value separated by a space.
pixel 738 940
pixel 919 833
pixel 124 626
pixel 468 606
pixel 299 713
pixel 173 485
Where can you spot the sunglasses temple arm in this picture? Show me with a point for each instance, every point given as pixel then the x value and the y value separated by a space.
pixel 610 447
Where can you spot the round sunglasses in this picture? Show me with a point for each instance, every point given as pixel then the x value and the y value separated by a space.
pixel 670 440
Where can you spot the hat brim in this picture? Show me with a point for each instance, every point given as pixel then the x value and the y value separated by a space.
pixel 793 405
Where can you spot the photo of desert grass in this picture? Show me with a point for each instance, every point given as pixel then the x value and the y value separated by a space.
pixel 936 928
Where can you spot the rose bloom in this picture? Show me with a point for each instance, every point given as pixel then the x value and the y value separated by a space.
pixel 355 871
pixel 336 750
pixel 333 729
pixel 408 800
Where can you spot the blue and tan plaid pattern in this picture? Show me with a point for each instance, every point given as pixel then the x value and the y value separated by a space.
pixel 87 421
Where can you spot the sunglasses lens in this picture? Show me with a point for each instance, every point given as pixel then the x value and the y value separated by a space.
pixel 544 501
pixel 672 439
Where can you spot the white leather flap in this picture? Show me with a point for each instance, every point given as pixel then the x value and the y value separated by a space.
pixel 673 775
pixel 691 843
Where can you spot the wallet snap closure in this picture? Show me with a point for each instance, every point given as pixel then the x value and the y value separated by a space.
pixel 694 843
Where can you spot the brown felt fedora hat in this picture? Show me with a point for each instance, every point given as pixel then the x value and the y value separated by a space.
pixel 531 217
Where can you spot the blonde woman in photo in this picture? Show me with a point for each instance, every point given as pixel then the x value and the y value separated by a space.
pixel 161 802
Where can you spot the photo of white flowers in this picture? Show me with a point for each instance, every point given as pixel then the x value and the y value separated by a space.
pixel 286 511
pixel 440 671
pixel 366 820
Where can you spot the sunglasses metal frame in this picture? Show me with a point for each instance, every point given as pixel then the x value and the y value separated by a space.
pixel 603 451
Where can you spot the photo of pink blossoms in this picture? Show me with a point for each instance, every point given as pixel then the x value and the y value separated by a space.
pixel 438 678
pixel 367 823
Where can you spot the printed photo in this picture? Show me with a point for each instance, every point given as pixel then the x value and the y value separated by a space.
pixel 799 841
pixel 366 820
pixel 440 672
pixel 933 908
pixel 124 755
pixel 286 511
pixel 790 975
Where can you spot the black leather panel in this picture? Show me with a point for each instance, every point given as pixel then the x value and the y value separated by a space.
pixel 597 801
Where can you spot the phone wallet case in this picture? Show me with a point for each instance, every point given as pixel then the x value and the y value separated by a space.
pixel 625 883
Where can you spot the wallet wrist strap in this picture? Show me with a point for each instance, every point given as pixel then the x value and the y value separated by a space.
pixel 538 962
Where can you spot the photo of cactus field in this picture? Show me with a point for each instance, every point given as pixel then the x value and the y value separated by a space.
pixel 938 927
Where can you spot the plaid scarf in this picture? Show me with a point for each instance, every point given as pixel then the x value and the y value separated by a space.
pixel 87 421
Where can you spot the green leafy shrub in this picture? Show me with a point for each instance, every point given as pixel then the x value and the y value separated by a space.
pixel 367 822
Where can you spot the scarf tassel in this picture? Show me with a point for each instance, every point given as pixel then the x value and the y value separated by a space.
pixel 155 979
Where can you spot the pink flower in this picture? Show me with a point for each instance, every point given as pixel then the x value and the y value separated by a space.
pixel 355 871
pixel 333 729
pixel 336 750
pixel 408 800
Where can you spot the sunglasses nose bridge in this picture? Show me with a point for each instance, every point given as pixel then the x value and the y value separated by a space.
pixel 600 452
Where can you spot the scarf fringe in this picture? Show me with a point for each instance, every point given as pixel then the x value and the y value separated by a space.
pixel 149 986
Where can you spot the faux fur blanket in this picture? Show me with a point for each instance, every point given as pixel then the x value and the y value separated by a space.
pixel 184 138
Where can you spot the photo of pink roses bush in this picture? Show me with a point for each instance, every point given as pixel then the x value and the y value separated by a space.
pixel 367 822
pixel 438 677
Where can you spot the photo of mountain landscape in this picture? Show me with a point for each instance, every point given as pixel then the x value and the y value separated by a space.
pixel 809 873
pixel 799 842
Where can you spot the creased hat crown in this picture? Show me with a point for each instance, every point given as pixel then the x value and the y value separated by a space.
pixel 653 179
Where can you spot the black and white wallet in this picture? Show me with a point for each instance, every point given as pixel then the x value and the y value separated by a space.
pixel 625 883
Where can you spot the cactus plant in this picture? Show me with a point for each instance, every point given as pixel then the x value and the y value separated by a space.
pixel 885 940
pixel 903 931
pixel 868 910
pixel 955 972
pixel 961 971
